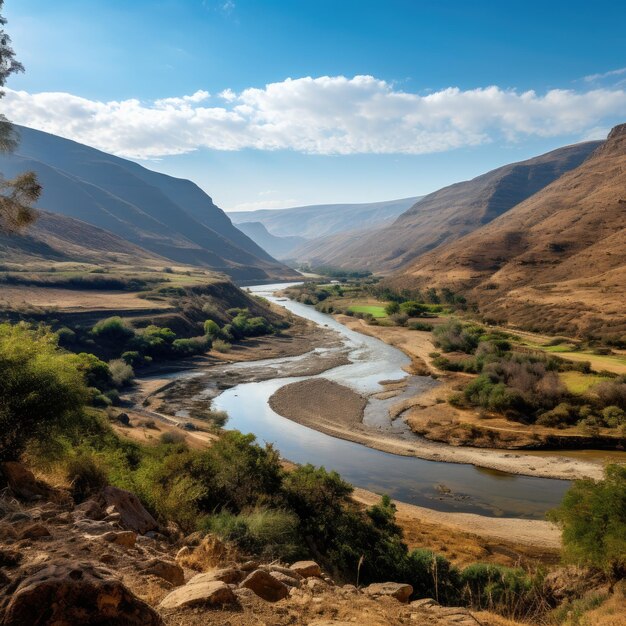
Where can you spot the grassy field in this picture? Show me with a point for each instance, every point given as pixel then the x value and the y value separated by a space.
pixel 373 309
pixel 577 382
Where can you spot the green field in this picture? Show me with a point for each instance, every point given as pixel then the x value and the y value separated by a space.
pixel 372 309
pixel 577 382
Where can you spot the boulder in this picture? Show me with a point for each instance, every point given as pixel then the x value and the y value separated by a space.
pixel 306 569
pixel 265 586
pixel 167 570
pixel 23 483
pixel 35 531
pixel 399 591
pixel 207 593
pixel 228 575
pixel 71 593
pixel 133 515
pixel 89 509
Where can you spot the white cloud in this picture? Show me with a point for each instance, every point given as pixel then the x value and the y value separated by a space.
pixel 325 115
pixel 592 78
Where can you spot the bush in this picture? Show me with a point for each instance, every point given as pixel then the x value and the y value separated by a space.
pixel 211 328
pixel 392 308
pixel 113 329
pixel 424 326
pixel 454 337
pixel 432 576
pixel 496 588
pixel 86 476
pixel 593 518
pixel 189 347
pixel 171 437
pixel 122 373
pixel 413 309
pixel 612 393
pixel 42 389
pixel 270 533
pixel 219 345
pixel 614 416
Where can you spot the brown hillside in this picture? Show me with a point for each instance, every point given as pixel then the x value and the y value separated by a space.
pixel 556 262
pixel 445 215
pixel 56 237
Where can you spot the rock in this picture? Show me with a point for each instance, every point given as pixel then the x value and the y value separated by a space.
pixel 23 482
pixel 349 590
pixel 89 509
pixel 249 566
pixel 265 586
pixel 183 553
pixel 7 532
pixel 316 585
pixel 70 593
pixel 9 558
pixel 125 538
pixel 18 516
pixel 424 603
pixel 279 568
pixel 211 593
pixel 306 569
pixel 228 575
pixel 35 531
pixel 172 572
pixel 290 581
pixel 123 418
pixel 399 591
pixel 133 514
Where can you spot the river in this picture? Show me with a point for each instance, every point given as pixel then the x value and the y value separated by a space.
pixel 434 484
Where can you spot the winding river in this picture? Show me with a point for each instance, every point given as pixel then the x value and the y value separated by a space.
pixel 437 485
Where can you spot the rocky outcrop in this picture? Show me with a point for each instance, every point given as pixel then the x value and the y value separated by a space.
pixel 23 483
pixel 133 515
pixel 265 586
pixel 68 593
pixel 199 593
pixel 167 570
pixel 400 592
pixel 306 569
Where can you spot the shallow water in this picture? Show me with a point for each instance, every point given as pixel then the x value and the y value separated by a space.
pixel 437 485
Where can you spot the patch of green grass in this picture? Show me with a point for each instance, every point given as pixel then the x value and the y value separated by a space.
pixel 577 382
pixel 372 309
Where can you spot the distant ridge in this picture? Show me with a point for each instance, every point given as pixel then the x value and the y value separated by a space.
pixel 448 214
pixel 167 216
pixel 320 220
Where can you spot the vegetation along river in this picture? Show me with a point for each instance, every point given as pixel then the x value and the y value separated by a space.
pixel 434 484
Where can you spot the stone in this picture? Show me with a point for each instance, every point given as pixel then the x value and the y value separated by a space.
pixel 249 566
pixel 265 586
pixel 23 482
pixel 306 569
pixel 89 509
pixel 399 591
pixel 228 575
pixel 124 538
pixel 424 603
pixel 65 592
pixel 316 585
pixel 133 515
pixel 194 539
pixel 9 558
pixel 35 531
pixel 288 580
pixel 172 572
pixel 207 593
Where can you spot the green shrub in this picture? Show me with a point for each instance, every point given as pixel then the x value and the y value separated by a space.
pixel 392 308
pixel 211 328
pixel 42 389
pixel 221 346
pixel 432 576
pixel 113 329
pixel 270 533
pixel 171 437
pixel 593 518
pixel 86 475
pixel 189 347
pixel 453 336
pixel 424 326
pixel 413 309
pixel 614 416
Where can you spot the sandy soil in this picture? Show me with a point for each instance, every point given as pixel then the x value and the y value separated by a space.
pixel 319 401
pixel 72 300
pixel 509 531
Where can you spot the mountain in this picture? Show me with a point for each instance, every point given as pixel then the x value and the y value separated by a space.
pixel 320 220
pixel 278 247
pixel 167 216
pixel 555 262
pixel 449 213
pixel 55 237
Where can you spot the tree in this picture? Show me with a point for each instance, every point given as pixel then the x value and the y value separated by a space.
pixel 18 194
pixel 593 518
pixel 42 389
pixel 392 307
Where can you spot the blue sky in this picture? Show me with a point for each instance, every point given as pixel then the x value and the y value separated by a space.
pixel 387 99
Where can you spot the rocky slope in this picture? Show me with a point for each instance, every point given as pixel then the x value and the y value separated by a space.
pixel 556 262
pixel 278 247
pixel 448 214
pixel 107 560
pixel 167 216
